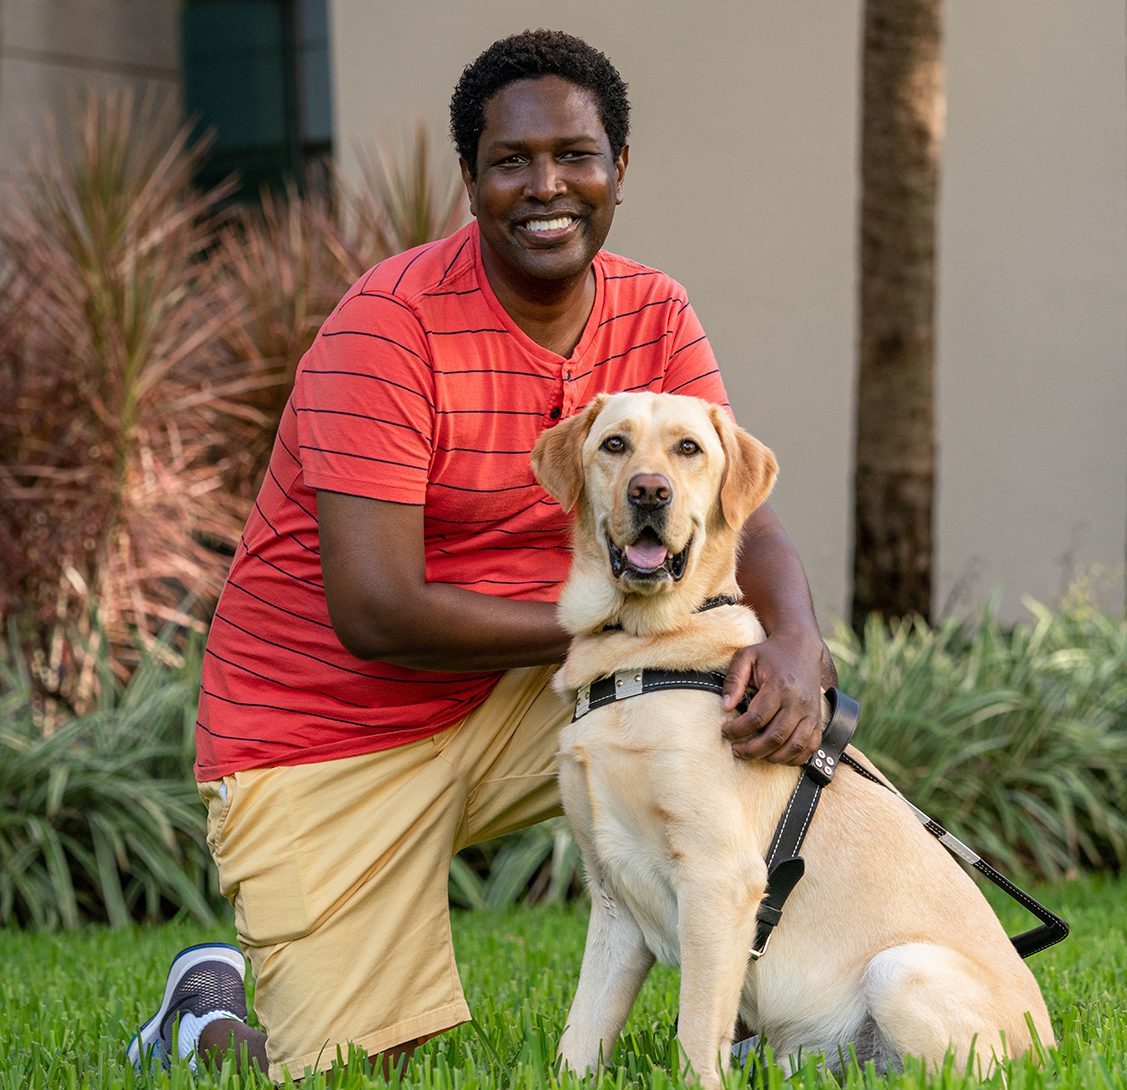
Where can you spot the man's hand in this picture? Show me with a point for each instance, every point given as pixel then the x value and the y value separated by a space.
pixel 783 723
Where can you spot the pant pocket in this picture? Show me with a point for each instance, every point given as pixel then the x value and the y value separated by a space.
pixel 257 850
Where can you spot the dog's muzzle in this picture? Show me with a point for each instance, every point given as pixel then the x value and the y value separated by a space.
pixel 647 559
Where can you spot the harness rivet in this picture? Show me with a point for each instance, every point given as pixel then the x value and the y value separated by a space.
pixel 821 753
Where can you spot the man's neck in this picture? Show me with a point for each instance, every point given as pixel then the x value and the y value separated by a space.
pixel 553 313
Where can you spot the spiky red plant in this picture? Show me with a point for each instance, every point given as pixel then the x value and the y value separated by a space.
pixel 126 411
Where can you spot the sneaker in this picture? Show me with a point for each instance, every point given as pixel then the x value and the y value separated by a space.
pixel 203 980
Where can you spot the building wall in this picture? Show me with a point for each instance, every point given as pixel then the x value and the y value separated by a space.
pixel 743 185
pixel 52 51
pixel 1033 299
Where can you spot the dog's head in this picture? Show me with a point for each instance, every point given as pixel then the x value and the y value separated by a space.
pixel 660 486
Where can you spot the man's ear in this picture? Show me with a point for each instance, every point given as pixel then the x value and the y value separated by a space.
pixel 557 458
pixel 749 472
pixel 470 184
pixel 620 165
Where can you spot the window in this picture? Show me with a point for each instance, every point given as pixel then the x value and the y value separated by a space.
pixel 256 72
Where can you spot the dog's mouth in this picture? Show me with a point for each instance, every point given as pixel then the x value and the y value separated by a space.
pixel 647 558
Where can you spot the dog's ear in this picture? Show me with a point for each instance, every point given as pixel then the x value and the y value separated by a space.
pixel 749 473
pixel 557 457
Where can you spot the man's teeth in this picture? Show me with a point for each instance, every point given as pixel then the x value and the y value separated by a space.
pixel 556 224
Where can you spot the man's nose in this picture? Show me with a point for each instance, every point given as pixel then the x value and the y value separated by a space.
pixel 545 181
pixel 649 490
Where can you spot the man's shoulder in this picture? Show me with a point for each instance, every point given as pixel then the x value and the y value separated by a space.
pixel 629 277
pixel 433 269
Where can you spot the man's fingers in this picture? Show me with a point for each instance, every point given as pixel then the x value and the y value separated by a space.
pixel 781 745
pixel 738 678
pixel 762 709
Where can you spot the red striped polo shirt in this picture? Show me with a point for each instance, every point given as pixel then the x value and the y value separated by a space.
pixel 418 389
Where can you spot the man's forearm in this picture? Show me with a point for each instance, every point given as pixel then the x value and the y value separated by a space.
pixel 774 584
pixel 448 628
pixel 771 576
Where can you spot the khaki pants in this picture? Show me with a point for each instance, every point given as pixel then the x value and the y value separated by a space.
pixel 337 872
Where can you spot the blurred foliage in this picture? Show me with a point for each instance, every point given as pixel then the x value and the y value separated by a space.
pixel 403 200
pixel 124 414
pixel 100 818
pixel 1014 737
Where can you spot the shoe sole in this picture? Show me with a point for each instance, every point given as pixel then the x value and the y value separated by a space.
pixel 143 1040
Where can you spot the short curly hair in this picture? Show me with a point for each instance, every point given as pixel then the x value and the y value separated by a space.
pixel 530 55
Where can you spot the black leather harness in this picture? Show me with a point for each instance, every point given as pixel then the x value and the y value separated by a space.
pixel 785 865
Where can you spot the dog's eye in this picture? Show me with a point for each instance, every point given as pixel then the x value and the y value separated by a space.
pixel 614 444
pixel 689 447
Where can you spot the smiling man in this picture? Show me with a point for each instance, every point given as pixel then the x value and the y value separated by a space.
pixel 376 691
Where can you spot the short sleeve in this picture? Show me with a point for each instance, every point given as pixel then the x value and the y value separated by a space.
pixel 364 397
pixel 692 369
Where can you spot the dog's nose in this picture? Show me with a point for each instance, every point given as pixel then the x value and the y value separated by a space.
pixel 649 490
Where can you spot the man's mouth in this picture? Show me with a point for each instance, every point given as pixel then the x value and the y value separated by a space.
pixel 556 223
pixel 647 558
pixel 549 228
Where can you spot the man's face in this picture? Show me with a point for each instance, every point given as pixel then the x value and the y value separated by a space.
pixel 547 183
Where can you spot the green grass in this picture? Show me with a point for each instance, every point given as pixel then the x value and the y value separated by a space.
pixel 69 1002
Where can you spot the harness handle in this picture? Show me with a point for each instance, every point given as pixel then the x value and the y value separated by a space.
pixel 1053 928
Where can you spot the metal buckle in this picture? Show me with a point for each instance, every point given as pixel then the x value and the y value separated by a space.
pixel 627 683
pixel 755 953
pixel 821 767
pixel 582 702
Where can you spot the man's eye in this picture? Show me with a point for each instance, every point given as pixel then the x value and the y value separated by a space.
pixel 689 447
pixel 614 444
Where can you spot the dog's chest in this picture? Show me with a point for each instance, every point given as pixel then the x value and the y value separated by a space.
pixel 632 788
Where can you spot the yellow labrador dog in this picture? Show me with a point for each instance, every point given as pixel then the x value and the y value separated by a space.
pixel 887 944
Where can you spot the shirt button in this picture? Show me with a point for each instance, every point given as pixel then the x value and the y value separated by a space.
pixel 555 413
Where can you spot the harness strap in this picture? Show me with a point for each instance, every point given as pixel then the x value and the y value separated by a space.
pixel 784 864
pixel 627 683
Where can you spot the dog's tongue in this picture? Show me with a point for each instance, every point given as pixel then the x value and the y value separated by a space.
pixel 646 556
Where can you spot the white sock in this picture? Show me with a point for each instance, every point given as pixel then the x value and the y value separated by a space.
pixel 191 1026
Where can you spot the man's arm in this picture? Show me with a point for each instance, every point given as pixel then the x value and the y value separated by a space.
pixel 382 607
pixel 783 722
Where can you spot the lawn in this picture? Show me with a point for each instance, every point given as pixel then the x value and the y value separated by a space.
pixel 69 1001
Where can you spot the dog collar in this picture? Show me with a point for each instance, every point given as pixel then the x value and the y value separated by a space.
pixel 708 603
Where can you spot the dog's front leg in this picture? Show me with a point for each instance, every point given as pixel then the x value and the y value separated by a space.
pixel 615 963
pixel 716 922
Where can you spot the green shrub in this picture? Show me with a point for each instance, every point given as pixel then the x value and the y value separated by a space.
pixel 1013 737
pixel 100 818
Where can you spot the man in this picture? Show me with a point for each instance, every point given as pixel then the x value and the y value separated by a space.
pixel 376 688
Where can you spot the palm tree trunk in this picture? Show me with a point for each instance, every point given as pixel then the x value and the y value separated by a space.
pixel 902 128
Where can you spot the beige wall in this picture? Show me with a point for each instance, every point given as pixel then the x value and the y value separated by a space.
pixel 1033 298
pixel 52 51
